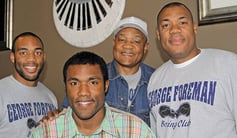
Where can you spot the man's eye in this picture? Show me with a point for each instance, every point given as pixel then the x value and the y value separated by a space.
pixel 23 53
pixel 164 26
pixel 93 82
pixel 73 83
pixel 137 41
pixel 182 23
pixel 38 53
pixel 121 40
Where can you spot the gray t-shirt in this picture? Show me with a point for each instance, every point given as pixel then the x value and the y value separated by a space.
pixel 22 107
pixel 197 98
pixel 132 81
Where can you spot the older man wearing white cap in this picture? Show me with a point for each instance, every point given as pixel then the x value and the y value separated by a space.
pixel 128 76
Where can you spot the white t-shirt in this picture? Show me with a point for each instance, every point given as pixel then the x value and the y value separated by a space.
pixel 132 81
pixel 22 107
pixel 195 99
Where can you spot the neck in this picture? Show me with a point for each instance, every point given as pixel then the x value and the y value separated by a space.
pixel 127 70
pixel 24 81
pixel 180 60
pixel 89 126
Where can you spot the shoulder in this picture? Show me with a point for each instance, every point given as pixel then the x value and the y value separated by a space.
pixel 112 70
pixel 45 129
pixel 46 92
pixel 128 119
pixel 5 80
pixel 146 69
pixel 45 89
pixel 218 53
pixel 145 66
pixel 122 114
pixel 111 64
pixel 219 57
pixel 128 124
pixel 52 128
pixel 163 67
pixel 6 83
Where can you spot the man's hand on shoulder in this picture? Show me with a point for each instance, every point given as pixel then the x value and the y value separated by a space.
pixel 51 116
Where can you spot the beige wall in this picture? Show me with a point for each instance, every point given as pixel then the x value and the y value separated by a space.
pixel 5 64
pixel 36 16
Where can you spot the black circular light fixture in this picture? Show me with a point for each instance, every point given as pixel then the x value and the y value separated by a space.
pixel 85 23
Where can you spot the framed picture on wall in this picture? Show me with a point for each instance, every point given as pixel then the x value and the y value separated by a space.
pixel 6 15
pixel 216 11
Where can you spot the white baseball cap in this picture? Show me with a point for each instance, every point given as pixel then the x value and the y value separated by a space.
pixel 132 22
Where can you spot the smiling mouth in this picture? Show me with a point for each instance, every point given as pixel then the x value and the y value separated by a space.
pixel 127 54
pixel 31 69
pixel 85 103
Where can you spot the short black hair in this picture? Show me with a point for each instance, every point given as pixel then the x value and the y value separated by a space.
pixel 85 57
pixel 173 4
pixel 23 35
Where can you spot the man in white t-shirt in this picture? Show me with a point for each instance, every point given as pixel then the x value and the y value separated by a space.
pixel 23 99
pixel 194 94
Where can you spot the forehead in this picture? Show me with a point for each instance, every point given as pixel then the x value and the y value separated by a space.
pixel 29 42
pixel 84 69
pixel 174 12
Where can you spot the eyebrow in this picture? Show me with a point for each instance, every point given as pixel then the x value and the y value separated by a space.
pixel 90 78
pixel 181 17
pixel 72 79
pixel 19 49
pixel 23 48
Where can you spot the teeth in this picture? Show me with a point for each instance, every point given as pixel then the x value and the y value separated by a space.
pixel 84 103
pixel 127 54
pixel 30 67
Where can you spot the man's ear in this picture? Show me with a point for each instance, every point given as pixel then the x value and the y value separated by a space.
pixel 146 47
pixel 195 28
pixel 106 86
pixel 12 57
pixel 158 34
pixel 113 42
